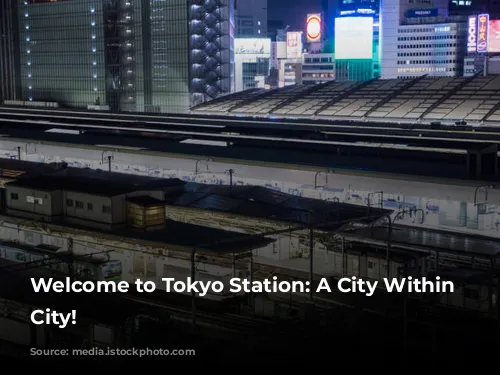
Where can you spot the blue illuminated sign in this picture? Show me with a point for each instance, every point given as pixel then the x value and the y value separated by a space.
pixel 360 12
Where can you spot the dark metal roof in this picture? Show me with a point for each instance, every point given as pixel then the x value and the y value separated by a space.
pixel 260 202
pixel 8 166
pixel 427 239
pixel 93 182
pixel 199 237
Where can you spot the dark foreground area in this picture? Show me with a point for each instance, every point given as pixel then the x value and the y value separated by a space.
pixel 348 339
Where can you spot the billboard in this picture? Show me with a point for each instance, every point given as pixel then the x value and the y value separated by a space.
pixel 313 27
pixel 294 45
pixel 483 21
pixel 253 46
pixel 354 38
pixel 416 13
pixel 494 36
pixel 472 34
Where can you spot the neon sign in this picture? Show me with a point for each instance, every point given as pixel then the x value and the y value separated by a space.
pixel 472 34
pixel 313 27
pixel 482 33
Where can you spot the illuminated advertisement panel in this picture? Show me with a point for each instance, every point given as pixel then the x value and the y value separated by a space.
pixel 472 34
pixel 294 45
pixel 494 36
pixel 253 46
pixel 313 27
pixel 354 38
pixel 482 33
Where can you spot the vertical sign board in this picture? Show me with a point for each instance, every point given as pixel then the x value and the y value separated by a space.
pixel 294 45
pixel 313 27
pixel 483 21
pixel 472 34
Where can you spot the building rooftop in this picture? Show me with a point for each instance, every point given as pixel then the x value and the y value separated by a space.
pixel 13 168
pixel 93 182
pixel 261 202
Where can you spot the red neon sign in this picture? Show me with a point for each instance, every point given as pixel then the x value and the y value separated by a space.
pixel 313 27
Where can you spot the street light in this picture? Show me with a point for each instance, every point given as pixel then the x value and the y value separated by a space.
pixel 110 157
pixel 18 149
pixel 198 161
pixel 485 187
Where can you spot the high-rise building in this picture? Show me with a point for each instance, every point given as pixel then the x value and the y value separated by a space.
pixel 467 7
pixel 329 8
pixel 419 37
pixel 251 18
pixel 211 33
pixel 132 55
pixel 9 51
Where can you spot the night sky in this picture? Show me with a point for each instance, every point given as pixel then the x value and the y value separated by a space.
pixel 292 12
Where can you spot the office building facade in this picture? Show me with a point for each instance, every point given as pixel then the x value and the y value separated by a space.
pixel 131 55
pixel 252 60
pixel 9 51
pixel 251 18
pixel 317 68
pixel 432 49
pixel 418 37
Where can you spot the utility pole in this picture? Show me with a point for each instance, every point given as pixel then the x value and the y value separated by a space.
pixel 109 162
pixel 311 263
pixel 193 294
pixel 230 171
pixel 18 152
pixel 71 270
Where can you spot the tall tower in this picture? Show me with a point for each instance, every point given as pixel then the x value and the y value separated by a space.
pixel 211 30
pixel 9 52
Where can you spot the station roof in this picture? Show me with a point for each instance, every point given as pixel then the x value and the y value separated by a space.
pixel 190 236
pixel 261 202
pixel 426 240
pixel 425 98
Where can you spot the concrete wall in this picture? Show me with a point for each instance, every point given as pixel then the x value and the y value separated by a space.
pixel 24 201
pixel 93 213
